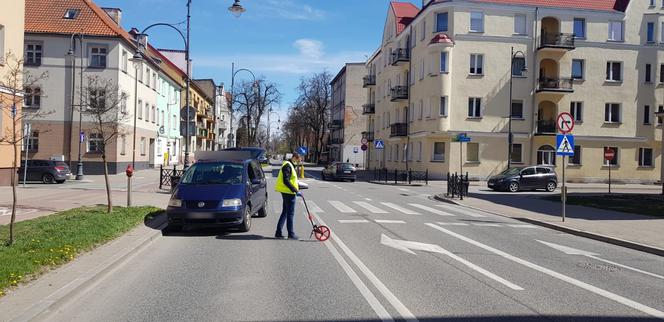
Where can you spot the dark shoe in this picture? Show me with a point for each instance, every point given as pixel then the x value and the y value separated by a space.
pixel 279 236
pixel 293 237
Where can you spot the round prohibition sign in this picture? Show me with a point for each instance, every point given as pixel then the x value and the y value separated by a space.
pixel 565 122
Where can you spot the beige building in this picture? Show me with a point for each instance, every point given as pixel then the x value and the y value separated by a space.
pixel 11 40
pixel 347 122
pixel 446 69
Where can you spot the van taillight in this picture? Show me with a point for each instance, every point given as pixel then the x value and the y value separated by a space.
pixel 60 168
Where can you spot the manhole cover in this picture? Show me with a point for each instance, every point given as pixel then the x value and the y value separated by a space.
pixel 599 267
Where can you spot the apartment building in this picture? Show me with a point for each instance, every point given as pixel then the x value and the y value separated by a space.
pixel 11 40
pixel 446 69
pixel 74 40
pixel 347 121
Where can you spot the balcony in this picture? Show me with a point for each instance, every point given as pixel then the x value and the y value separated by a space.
pixel 369 80
pixel 336 125
pixel 560 85
pixel 557 41
pixel 399 93
pixel 334 141
pixel 369 108
pixel 546 127
pixel 399 55
pixel 368 135
pixel 202 134
pixel 398 129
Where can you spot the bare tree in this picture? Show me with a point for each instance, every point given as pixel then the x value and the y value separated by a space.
pixel 16 81
pixel 102 107
pixel 252 101
pixel 313 105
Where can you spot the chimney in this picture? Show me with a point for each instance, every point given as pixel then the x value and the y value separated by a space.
pixel 114 13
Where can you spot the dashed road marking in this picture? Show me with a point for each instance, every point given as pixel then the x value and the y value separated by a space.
pixel 432 210
pixel 353 221
pixel 486 224
pixel 463 211
pixel 341 207
pixel 385 221
pixel 370 207
pixel 398 208
pixel 452 224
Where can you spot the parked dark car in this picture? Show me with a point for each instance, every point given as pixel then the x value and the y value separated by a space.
pixel 226 191
pixel 525 178
pixel 46 171
pixel 339 171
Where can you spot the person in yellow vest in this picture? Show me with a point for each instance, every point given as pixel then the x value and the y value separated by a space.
pixel 288 186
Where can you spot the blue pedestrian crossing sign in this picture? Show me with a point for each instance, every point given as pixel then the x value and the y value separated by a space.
pixel 379 144
pixel 565 145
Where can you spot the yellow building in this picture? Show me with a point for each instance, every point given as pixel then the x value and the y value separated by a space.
pixel 446 69
pixel 12 26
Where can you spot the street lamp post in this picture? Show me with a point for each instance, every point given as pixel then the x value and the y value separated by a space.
pixel 72 54
pixel 230 108
pixel 510 136
pixel 269 112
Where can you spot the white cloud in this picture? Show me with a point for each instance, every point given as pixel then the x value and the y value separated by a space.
pixel 309 48
pixel 291 10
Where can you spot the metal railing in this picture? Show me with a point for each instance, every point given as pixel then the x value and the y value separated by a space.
pixel 369 80
pixel 169 177
pixel 399 93
pixel 556 84
pixel 398 129
pixel 546 127
pixel 400 55
pixel 457 185
pixel 369 108
pixel 401 176
pixel 557 40
pixel 336 124
pixel 368 135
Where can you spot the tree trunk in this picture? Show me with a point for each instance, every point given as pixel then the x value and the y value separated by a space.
pixel 109 207
pixel 13 183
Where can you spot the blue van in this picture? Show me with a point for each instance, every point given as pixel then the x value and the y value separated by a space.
pixel 222 189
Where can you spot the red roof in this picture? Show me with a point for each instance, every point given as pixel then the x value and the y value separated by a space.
pixel 602 5
pixel 46 16
pixel 404 13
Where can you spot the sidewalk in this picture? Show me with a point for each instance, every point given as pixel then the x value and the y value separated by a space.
pixel 629 230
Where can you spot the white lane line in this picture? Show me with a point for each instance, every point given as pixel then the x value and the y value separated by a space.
pixel 486 225
pixel 431 210
pixel 385 221
pixel 367 199
pixel 314 207
pixel 398 208
pixel 394 301
pixel 452 224
pixel 601 292
pixel 353 221
pixel 462 210
pixel 404 189
pixel 341 207
pixel 364 290
pixel 370 207
pixel 524 226
pixel 627 267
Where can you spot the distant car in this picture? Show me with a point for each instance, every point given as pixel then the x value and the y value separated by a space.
pixel 525 178
pixel 223 192
pixel 46 171
pixel 263 159
pixel 339 171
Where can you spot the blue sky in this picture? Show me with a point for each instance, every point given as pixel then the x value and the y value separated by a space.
pixel 282 40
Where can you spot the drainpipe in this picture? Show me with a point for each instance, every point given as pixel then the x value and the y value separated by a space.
pixel 408 84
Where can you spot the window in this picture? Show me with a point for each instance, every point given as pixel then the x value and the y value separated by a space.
pixel 518 66
pixel 33 142
pixel 421 110
pixel 411 113
pixel 474 107
pixel 660 119
pixel 123 104
pixel 650 32
pixel 476 64
pixel 646 115
pixel 576 159
pixel 613 162
pixel 175 122
pixel 419 151
pixel 142 146
pixel 661 73
pixel 615 30
pixel 546 155
pixel 472 152
pixel 645 157
pixel 147 76
pixel 2 44
pixel 71 14
pixel 578 69
pixel 517 109
pixel 661 34
pixel 652 3
pixel 163 119
pixel 441 21
pixel 32 97
pixel 515 155
pixel 147 112
pixel 413 38
pixel 442 111
pixel 439 151
pixel 154 80
pixel 576 109
pixel 520 25
pixel 614 71
pixel 124 60
pixel 424 29
pixel 98 56
pixel 421 69
pixel 580 28
pixel 97 100
pixel 140 105
pixel 123 144
pixel 612 113
pixel 153 115
pixel 648 76
pixel 476 21
pixel 95 143
pixel 33 53
pixel 443 62
pixel 410 152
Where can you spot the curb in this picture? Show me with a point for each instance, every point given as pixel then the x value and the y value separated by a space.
pixel 577 232
pixel 52 302
pixel 397 184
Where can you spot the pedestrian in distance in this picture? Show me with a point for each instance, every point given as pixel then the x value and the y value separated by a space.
pixel 287 185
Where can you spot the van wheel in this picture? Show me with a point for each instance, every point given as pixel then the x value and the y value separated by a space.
pixel 262 213
pixel 513 187
pixel 48 178
pixel 246 223
pixel 551 186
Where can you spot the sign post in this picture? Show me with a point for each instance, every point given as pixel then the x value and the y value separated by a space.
pixel 26 138
pixel 564 147
pixel 609 155
pixel 461 138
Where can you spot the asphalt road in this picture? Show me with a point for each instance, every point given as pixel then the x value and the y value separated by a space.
pixel 394 255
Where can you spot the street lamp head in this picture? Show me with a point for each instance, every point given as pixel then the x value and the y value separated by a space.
pixel 237 9
pixel 70 52
pixel 137 59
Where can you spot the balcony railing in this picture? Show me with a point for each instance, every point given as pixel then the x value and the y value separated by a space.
pixel 368 135
pixel 556 85
pixel 336 141
pixel 546 127
pixel 398 129
pixel 369 80
pixel 399 93
pixel 369 108
pixel 336 124
pixel 399 55
pixel 557 40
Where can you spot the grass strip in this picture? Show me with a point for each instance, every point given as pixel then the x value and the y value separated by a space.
pixel 50 241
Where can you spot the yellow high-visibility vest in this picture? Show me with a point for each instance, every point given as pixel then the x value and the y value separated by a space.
pixel 280 186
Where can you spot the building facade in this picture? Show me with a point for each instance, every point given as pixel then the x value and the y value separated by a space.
pixel 446 69
pixel 12 25
pixel 346 119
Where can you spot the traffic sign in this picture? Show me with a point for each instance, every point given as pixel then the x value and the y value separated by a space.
pixel 565 122
pixel 565 145
pixel 192 114
pixel 462 137
pixel 364 141
pixel 379 144
pixel 303 150
pixel 356 150
pixel 364 147
pixel 81 136
pixel 609 154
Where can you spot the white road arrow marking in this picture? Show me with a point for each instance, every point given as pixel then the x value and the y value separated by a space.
pixel 578 252
pixel 409 246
